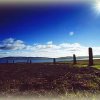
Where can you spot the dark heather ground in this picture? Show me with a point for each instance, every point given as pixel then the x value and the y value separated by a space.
pixel 43 78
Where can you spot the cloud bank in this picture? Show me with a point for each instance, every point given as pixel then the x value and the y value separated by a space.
pixel 12 44
pixel 13 47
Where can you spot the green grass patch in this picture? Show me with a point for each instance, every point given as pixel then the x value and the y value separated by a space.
pixel 97 66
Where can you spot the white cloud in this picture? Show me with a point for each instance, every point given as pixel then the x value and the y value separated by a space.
pixel 71 33
pixel 9 40
pixel 12 47
pixel 12 44
pixel 50 42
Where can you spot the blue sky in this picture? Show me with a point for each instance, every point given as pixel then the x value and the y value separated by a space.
pixel 42 25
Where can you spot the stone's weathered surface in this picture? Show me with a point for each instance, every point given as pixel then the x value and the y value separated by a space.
pixel 90 57
pixel 74 59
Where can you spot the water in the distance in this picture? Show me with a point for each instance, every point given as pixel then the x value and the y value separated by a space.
pixel 39 60
pixel 32 60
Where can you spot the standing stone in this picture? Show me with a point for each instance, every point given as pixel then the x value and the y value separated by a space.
pixel 13 61
pixel 30 61
pixel 74 59
pixel 7 61
pixel 90 57
pixel 54 60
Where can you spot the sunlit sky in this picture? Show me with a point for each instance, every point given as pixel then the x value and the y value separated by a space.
pixel 50 30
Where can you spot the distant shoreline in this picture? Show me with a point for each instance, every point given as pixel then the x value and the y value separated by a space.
pixel 50 60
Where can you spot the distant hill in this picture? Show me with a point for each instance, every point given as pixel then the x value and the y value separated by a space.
pixel 24 58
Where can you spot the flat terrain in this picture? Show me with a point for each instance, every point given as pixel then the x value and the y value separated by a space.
pixel 48 78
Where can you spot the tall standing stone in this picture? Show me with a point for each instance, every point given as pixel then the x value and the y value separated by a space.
pixel 54 60
pixel 74 59
pixel 90 57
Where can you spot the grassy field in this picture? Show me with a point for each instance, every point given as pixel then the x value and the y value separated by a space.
pixel 84 63
pixel 49 79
